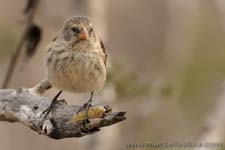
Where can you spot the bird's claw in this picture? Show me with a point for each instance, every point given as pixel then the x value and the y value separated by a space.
pixel 52 106
pixel 85 107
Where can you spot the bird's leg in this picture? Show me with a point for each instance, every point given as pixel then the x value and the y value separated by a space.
pixel 86 106
pixel 52 105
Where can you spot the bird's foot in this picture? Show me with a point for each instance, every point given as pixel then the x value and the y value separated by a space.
pixel 52 105
pixel 85 107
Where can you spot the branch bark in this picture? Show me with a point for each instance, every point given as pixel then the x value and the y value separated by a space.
pixel 63 122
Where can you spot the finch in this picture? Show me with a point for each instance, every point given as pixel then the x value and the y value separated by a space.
pixel 76 59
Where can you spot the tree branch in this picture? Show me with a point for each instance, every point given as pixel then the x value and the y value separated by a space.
pixel 62 122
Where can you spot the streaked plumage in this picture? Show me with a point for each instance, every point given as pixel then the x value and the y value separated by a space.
pixel 76 58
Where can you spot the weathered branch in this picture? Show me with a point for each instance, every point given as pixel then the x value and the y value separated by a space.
pixel 62 122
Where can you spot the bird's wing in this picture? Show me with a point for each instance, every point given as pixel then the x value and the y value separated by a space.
pixel 104 51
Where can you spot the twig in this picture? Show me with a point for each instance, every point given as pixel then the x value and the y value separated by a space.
pixel 63 122
pixel 41 87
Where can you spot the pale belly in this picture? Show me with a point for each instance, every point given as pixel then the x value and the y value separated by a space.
pixel 77 72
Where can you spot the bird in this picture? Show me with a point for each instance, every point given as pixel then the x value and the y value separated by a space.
pixel 76 60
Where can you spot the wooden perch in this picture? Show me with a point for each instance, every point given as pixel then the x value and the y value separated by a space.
pixel 62 122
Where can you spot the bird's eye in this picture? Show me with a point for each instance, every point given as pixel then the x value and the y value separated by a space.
pixel 75 30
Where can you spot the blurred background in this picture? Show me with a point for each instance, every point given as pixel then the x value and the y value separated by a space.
pixel 167 67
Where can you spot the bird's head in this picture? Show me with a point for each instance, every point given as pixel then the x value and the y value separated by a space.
pixel 78 30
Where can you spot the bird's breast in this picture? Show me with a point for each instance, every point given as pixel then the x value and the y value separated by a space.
pixel 76 71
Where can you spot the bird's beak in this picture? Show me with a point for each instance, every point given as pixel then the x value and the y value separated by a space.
pixel 83 35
